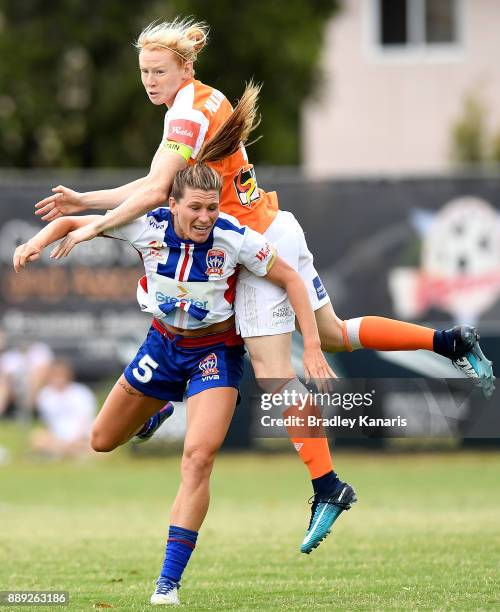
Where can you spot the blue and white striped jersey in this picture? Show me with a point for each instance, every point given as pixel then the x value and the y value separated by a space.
pixel 187 284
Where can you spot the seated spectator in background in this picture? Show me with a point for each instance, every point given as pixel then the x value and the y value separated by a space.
pixel 23 372
pixel 67 410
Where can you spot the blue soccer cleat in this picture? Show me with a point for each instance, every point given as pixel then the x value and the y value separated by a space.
pixel 470 359
pixel 324 512
pixel 166 593
pixel 153 424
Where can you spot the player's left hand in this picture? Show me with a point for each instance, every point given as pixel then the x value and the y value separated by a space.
pixel 64 248
pixel 24 253
pixel 316 368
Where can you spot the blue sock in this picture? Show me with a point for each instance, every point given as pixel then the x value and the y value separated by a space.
pixel 180 545
pixel 152 424
pixel 444 343
pixel 148 425
pixel 326 484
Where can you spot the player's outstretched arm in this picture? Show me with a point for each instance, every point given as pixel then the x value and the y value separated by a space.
pixel 31 250
pixel 153 192
pixel 65 201
pixel 315 364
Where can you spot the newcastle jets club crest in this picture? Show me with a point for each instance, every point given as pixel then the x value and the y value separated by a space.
pixel 208 367
pixel 215 262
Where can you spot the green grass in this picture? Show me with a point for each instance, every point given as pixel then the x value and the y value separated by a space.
pixel 424 535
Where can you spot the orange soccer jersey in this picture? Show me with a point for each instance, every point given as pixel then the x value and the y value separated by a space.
pixel 196 115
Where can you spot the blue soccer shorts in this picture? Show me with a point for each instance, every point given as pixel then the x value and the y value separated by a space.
pixel 166 365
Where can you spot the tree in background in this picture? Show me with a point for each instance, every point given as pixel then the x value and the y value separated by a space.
pixel 70 92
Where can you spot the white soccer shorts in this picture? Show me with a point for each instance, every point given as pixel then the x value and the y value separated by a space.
pixel 263 309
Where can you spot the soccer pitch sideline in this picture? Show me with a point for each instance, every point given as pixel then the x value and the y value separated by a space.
pixel 425 533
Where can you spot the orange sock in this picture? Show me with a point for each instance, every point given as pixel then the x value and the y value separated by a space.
pixel 314 451
pixel 315 454
pixel 384 334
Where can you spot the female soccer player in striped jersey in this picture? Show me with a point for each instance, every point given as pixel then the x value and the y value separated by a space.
pixel 193 342
pixel 167 52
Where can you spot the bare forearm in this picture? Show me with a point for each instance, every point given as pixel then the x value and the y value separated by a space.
pixel 54 231
pixel 140 202
pixel 107 199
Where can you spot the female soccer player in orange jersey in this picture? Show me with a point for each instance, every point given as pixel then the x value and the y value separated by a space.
pixel 195 111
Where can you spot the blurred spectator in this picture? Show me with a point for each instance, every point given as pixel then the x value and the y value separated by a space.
pixel 23 372
pixel 67 410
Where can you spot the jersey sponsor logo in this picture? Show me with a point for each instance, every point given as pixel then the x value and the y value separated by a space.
pixel 215 262
pixel 161 298
pixel 264 252
pixel 320 290
pixel 157 225
pixel 156 249
pixel 283 311
pixel 208 366
pixel 183 130
pixel 182 291
pixel 281 317
pixel 246 186
pixel 169 290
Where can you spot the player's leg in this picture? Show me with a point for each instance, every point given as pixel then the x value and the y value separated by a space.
pixel 460 344
pixel 271 362
pixel 123 414
pixel 208 417
pixel 150 379
pixel 212 395
pixel 266 320
pixel 331 495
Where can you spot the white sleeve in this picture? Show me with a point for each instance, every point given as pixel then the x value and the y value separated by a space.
pixel 186 126
pixel 256 254
pixel 129 232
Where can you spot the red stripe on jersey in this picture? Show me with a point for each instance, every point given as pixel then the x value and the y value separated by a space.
pixel 230 292
pixel 144 283
pixel 185 262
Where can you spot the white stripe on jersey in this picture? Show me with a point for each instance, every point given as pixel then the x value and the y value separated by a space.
pixel 182 271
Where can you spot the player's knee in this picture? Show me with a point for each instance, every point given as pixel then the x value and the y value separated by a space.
pixel 332 339
pixel 101 442
pixel 197 463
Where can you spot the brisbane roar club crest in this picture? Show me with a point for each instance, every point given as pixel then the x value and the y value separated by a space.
pixel 246 186
pixel 208 367
pixel 215 262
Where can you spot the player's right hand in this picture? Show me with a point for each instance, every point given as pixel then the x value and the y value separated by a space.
pixel 64 201
pixel 24 253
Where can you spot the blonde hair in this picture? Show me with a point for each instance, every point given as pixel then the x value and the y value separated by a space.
pixel 226 141
pixel 184 37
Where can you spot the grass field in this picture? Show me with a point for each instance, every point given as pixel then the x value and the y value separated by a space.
pixel 424 535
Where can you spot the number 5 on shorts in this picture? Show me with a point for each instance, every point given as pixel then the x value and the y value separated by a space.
pixel 147 364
